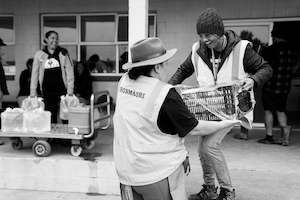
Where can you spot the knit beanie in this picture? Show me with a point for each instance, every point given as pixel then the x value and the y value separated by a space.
pixel 210 22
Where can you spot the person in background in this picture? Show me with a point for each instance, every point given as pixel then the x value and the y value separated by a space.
pixel 150 122
pixel 83 82
pixel 24 83
pixel 217 58
pixel 53 70
pixel 96 65
pixel 283 59
pixel 3 85
pixel 123 60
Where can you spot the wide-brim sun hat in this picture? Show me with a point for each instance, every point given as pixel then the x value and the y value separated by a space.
pixel 149 51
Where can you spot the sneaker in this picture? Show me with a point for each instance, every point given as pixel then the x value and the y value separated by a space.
pixel 226 194
pixel 208 192
pixel 241 136
pixel 268 140
pixel 286 135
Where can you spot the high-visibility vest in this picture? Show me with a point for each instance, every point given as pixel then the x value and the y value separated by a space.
pixel 231 70
pixel 142 153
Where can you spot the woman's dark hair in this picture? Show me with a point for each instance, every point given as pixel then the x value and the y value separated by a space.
pixel 29 62
pixel 135 72
pixel 94 58
pixel 48 33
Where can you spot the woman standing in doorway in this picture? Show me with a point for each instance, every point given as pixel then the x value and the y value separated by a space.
pixel 53 69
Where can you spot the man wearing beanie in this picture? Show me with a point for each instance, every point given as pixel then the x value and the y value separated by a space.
pixel 216 58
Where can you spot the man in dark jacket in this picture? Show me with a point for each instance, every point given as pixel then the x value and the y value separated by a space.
pixel 213 60
pixel 283 59
pixel 3 86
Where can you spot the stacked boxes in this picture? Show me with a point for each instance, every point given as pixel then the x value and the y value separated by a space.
pixel 12 120
pixel 18 120
pixel 79 118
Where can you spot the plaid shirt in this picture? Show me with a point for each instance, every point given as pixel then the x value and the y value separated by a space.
pixel 283 61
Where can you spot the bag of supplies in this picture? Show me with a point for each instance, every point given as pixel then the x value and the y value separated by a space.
pixel 66 102
pixel 32 103
pixel 12 120
pixel 38 121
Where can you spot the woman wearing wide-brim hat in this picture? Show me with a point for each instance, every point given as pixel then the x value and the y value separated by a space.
pixel 150 123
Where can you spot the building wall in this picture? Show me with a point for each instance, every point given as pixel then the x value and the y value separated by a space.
pixel 176 26
pixel 27 27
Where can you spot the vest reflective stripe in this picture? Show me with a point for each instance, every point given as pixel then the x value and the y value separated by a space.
pixel 232 69
pixel 195 58
pixel 236 61
pixel 142 153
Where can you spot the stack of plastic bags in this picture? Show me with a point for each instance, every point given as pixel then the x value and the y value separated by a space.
pixel 77 114
pixel 31 117
pixel 12 120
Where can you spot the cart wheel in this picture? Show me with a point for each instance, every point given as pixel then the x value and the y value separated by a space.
pixel 76 150
pixel 17 143
pixel 89 144
pixel 41 148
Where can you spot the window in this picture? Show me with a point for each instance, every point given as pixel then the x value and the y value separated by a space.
pixel 7 33
pixel 101 40
pixel 260 29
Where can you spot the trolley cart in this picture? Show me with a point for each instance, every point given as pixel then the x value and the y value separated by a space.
pixel 41 147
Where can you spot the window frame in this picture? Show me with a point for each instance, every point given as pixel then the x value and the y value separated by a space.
pixel 252 22
pixel 78 43
pixel 262 21
pixel 10 70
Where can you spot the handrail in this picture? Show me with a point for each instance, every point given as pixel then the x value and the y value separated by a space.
pixel 93 106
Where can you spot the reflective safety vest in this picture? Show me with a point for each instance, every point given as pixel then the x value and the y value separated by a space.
pixel 142 153
pixel 232 69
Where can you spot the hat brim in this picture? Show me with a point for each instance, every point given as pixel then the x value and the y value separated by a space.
pixel 169 54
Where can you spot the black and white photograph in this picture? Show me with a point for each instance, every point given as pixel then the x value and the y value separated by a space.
pixel 149 100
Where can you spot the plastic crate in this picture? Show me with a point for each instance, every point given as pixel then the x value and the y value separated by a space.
pixel 79 117
pixel 217 102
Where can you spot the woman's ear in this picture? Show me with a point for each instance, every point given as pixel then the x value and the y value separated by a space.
pixel 157 68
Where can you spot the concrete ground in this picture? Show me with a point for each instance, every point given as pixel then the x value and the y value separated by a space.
pixel 258 171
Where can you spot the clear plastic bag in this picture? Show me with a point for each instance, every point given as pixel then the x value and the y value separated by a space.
pixel 32 103
pixel 12 120
pixel 38 121
pixel 65 103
